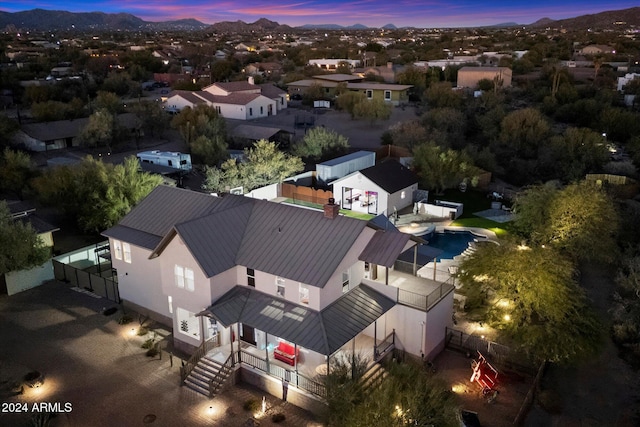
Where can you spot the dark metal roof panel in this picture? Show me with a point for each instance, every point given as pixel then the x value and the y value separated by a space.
pixel 133 236
pixel 166 206
pixel 384 248
pixel 228 308
pixel 297 244
pixel 352 313
pixel 391 176
pixel 274 316
pixel 286 320
pixel 214 239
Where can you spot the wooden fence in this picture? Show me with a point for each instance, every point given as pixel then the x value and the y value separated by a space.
pixel 305 194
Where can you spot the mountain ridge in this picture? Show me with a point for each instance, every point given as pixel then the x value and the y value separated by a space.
pixel 54 20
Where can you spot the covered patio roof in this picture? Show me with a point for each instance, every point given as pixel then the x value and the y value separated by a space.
pixel 323 332
pixel 384 248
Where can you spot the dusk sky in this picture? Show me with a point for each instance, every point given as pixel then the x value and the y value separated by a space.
pixel 374 13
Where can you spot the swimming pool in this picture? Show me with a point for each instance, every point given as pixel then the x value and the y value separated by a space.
pixel 452 243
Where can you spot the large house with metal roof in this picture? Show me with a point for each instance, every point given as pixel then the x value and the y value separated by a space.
pixel 242 100
pixel 273 291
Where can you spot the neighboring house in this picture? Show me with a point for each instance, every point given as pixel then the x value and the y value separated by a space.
pixel 263 68
pixel 246 135
pixel 59 134
pixel 233 100
pixel 278 291
pixel 387 72
pixel 381 189
pixel 25 212
pixel 622 81
pixel 332 64
pixel 596 49
pixel 470 76
pixel 392 93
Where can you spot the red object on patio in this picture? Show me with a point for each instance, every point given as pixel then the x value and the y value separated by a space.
pixel 286 353
pixel 483 373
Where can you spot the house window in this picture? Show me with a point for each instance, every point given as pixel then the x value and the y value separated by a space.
pixel 304 294
pixel 345 281
pixel 369 93
pixel 184 278
pixel 170 302
pixel 387 95
pixel 117 249
pixel 261 110
pixel 188 323
pixel 403 195
pixel 126 248
pixel 218 109
pixel 280 286
pixel 251 277
pixel 169 162
pixel 251 111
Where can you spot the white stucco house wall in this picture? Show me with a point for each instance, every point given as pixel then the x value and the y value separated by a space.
pixel 381 189
pixel 249 280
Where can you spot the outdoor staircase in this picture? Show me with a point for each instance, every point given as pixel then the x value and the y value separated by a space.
pixel 208 372
pixel 373 377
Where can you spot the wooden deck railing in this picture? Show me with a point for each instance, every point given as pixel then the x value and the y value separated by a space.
pixel 219 378
pixel 201 351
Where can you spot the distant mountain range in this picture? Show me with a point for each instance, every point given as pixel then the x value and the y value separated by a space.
pixel 56 20
pixel 603 20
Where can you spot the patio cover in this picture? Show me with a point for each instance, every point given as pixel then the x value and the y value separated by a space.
pixel 323 332
pixel 384 248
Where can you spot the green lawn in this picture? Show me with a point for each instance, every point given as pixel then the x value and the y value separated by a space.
pixel 476 221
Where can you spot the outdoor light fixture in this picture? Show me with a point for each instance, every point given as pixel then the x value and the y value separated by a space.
pixel 507 317
pixel 133 331
pixel 211 410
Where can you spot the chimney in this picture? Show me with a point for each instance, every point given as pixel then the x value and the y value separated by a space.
pixel 331 210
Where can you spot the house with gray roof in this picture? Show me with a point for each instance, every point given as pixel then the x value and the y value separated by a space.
pixel 242 100
pixel 274 290
pixel 381 189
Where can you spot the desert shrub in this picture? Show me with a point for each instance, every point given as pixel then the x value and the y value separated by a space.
pixel 125 319
pixel 142 331
pixel 153 351
pixel 252 405
pixel 278 417
pixel 148 343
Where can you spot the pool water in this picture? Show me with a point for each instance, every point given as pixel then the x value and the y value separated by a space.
pixel 452 243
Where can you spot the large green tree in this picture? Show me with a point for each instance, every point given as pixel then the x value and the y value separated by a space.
pixel 530 294
pixel 264 164
pixel 97 194
pixel 202 120
pixel 406 396
pixel 320 143
pixel 580 220
pixel 372 110
pixel 16 170
pixel 20 246
pixel 441 168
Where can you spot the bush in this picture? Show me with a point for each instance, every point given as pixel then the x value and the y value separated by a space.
pixel 125 319
pixel 252 405
pixel 279 417
pixel 153 351
pixel 142 331
pixel 148 343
